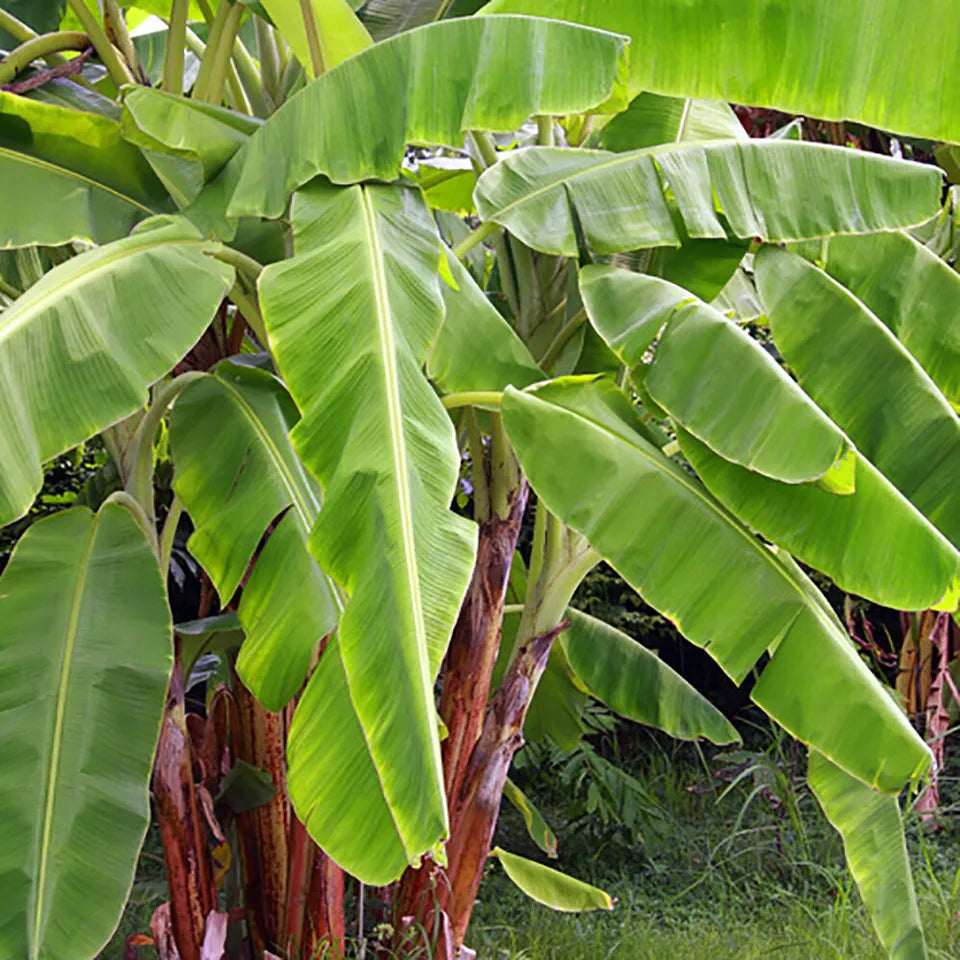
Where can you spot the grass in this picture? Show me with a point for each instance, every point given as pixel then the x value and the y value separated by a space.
pixel 738 866
pixel 755 873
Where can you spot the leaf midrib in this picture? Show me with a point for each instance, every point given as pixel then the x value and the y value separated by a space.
pixel 65 667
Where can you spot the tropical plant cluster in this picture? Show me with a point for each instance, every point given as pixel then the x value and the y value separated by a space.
pixel 340 295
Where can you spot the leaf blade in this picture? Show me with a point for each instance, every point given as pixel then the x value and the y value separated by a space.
pixel 92 701
pixel 763 188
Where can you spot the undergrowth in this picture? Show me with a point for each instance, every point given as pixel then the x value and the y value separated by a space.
pixel 711 853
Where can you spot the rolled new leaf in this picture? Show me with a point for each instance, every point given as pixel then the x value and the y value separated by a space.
pixel 860 374
pixel 698 565
pixel 80 348
pixel 551 887
pixel 776 190
pixel 715 379
pixel 85 655
pixel 429 85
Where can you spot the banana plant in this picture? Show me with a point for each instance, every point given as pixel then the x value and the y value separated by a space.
pixel 227 260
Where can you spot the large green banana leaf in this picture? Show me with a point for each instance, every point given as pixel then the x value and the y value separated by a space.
pixel 236 472
pixel 79 348
pixel 872 542
pixel 637 684
pixel 866 60
pixel 776 190
pixel 867 381
pixel 425 86
pixel 652 119
pixel 187 142
pixel 715 379
pixel 872 832
pixel 237 475
pixel 476 349
pixel 69 176
pixel 350 320
pixel 912 291
pixel 85 653
pixel 694 562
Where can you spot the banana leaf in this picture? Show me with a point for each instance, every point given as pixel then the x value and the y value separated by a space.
pixel 860 374
pixel 777 190
pixel 698 565
pixel 79 349
pixel 353 122
pixel 863 60
pixel 85 656
pixel 350 320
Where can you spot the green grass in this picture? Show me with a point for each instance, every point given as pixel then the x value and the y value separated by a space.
pixel 757 873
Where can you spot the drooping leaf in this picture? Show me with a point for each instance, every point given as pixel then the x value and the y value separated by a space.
pixel 79 348
pixel 240 480
pixel 85 654
pixel 652 119
pixel 867 381
pixel 776 190
pixel 912 291
pixel 551 887
pixel 70 175
pixel 872 833
pixel 476 349
pixel 339 33
pixel 537 827
pixel 755 51
pixel 696 564
pixel 353 122
pixel 637 684
pixel 873 542
pixel 350 320
pixel 187 142
pixel 715 379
